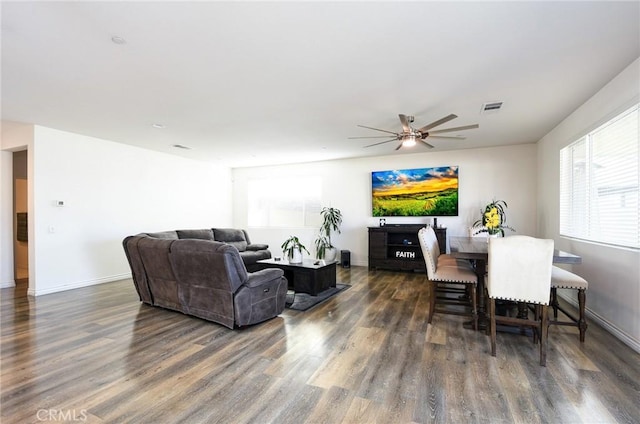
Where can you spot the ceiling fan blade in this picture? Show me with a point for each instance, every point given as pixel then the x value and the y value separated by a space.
pixel 382 142
pixel 428 145
pixel 378 129
pixel 438 122
pixel 405 123
pixel 466 127
pixel 399 146
pixel 457 137
pixel 373 136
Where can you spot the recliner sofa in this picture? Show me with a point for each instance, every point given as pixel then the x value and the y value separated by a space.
pixel 203 278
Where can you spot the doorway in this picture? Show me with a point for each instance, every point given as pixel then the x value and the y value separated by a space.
pixel 20 219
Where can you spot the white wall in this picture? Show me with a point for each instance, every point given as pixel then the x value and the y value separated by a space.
pixel 613 297
pixel 502 173
pixel 110 190
pixel 6 220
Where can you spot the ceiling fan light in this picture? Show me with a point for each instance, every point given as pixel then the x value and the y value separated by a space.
pixel 409 141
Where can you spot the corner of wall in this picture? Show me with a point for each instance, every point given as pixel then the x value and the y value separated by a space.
pixel 6 220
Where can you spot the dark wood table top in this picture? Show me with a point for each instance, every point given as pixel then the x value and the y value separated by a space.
pixel 306 263
pixel 477 248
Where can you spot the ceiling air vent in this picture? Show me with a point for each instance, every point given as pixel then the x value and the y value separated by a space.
pixel 180 146
pixel 491 107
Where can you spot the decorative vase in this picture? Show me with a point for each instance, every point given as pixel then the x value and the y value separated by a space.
pixel 490 236
pixel 296 256
pixel 330 254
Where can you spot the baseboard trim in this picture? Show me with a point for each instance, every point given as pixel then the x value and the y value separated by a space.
pixel 78 284
pixel 7 284
pixel 617 333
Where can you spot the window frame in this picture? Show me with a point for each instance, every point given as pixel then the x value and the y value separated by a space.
pixel 591 229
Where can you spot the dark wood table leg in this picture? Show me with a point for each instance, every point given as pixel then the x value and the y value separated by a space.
pixel 523 313
pixel 483 321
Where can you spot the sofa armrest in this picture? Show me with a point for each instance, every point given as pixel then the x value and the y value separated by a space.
pixel 264 275
pixel 256 247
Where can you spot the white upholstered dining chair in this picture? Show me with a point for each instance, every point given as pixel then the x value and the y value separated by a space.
pixel 519 270
pixel 448 278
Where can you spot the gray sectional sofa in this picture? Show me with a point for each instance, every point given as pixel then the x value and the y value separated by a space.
pixel 186 271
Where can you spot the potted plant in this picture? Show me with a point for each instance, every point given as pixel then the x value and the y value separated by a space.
pixel 331 220
pixel 292 248
pixel 322 245
pixel 493 219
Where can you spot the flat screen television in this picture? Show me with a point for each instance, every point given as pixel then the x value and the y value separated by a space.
pixel 415 192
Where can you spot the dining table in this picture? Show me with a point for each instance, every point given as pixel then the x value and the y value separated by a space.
pixel 476 249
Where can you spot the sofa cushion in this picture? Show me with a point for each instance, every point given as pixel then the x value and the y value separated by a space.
pixel 165 235
pixel 205 234
pixel 249 257
pixel 256 247
pixel 232 236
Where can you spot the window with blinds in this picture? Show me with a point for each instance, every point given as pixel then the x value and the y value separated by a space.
pixel 284 203
pixel 599 182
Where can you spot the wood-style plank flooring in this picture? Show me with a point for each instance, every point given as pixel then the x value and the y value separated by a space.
pixel 98 355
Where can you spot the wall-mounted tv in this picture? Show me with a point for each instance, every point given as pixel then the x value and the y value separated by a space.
pixel 415 192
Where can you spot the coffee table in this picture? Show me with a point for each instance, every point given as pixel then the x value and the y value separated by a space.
pixel 311 276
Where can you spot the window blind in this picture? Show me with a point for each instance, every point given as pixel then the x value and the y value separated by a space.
pixel 285 203
pixel 599 182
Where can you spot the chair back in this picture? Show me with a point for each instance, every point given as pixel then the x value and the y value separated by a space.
pixel 520 269
pixel 430 250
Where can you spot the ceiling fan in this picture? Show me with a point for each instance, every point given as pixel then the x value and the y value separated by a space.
pixel 410 135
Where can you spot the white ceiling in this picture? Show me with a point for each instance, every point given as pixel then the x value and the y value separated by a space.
pixel 257 83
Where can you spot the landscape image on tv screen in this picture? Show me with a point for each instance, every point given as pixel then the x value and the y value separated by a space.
pixel 415 192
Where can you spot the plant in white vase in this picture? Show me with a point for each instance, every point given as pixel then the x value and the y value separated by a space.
pixel 331 220
pixel 494 219
pixel 292 248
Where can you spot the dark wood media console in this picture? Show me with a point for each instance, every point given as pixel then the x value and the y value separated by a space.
pixel 396 246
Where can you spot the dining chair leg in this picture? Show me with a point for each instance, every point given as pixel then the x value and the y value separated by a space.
pixel 554 302
pixel 486 313
pixel 492 324
pixel 536 317
pixel 432 300
pixel 474 306
pixel 544 332
pixel 582 322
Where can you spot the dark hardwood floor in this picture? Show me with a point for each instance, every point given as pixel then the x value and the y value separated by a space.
pixel 98 355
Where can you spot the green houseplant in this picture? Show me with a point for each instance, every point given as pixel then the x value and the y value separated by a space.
pixel 331 221
pixel 292 248
pixel 322 245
